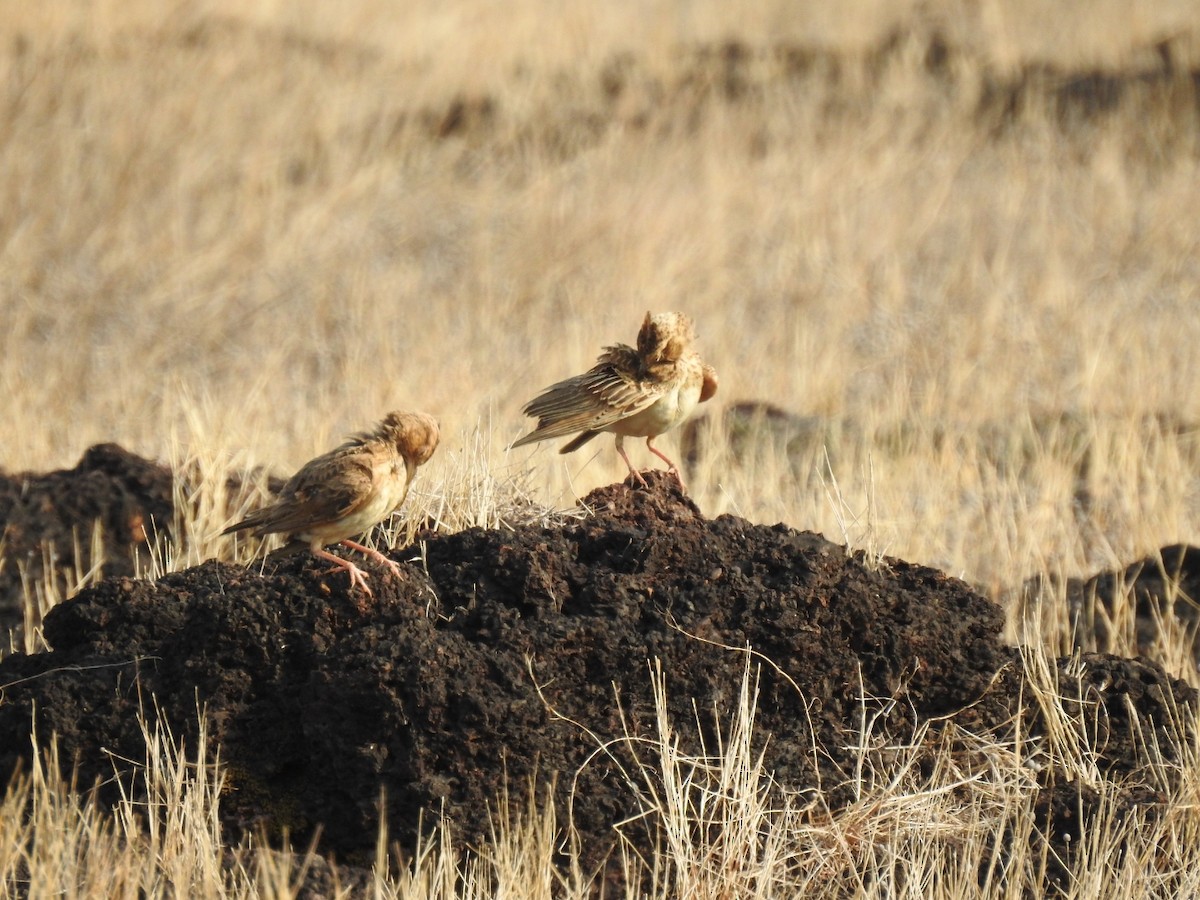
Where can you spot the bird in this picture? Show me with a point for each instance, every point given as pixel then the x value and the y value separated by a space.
pixel 349 490
pixel 640 391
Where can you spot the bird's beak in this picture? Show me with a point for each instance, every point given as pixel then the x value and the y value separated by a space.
pixel 410 468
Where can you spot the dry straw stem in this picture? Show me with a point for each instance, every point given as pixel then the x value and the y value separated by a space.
pixel 57 582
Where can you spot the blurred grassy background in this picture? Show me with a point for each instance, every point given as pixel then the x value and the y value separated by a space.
pixel 246 231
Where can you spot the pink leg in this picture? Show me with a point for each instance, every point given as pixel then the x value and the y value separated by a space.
pixel 374 554
pixel 673 468
pixel 632 471
pixel 357 575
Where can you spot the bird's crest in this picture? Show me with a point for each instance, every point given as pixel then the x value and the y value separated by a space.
pixel 665 337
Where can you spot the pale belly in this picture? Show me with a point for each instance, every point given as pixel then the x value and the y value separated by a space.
pixel 667 412
pixel 390 490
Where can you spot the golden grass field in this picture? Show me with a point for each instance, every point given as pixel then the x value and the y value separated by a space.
pixel 233 235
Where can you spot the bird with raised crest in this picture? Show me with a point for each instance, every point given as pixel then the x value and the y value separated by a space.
pixel 640 391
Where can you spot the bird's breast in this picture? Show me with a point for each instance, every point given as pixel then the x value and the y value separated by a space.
pixel 388 490
pixel 391 487
pixel 663 414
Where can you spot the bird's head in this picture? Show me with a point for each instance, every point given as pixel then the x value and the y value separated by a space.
pixel 416 435
pixel 665 337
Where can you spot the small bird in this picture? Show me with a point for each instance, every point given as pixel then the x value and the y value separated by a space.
pixel 631 392
pixel 349 490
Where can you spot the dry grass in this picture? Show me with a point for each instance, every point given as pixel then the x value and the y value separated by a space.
pixel 229 237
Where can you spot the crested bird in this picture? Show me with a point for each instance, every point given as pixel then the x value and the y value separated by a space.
pixel 349 490
pixel 640 391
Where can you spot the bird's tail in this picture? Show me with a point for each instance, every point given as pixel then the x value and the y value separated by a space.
pixel 291 548
pixel 251 521
pixel 531 438
pixel 578 441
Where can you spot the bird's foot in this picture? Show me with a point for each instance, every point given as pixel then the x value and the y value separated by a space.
pixel 671 467
pixel 357 576
pixel 678 477
pixel 392 565
pixel 638 477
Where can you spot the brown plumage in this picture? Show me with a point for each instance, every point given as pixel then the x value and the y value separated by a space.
pixel 631 392
pixel 349 490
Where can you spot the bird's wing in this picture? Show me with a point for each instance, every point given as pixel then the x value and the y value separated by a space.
pixel 611 391
pixel 326 489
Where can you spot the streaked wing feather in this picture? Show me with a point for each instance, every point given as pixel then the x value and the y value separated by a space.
pixel 588 402
pixel 327 489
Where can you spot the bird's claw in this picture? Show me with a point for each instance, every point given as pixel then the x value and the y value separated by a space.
pixel 358 578
pixel 678 477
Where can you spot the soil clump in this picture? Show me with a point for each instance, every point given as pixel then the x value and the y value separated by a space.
pixel 48 518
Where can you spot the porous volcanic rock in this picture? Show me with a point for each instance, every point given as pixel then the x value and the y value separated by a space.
pixel 505 656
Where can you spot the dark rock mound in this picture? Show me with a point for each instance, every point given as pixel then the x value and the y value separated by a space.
pixel 1140 599
pixel 50 517
pixel 54 512
pixel 502 657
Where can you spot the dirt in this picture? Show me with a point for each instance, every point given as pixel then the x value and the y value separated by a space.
pixel 1159 591
pixel 48 519
pixel 46 516
pixel 508 658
